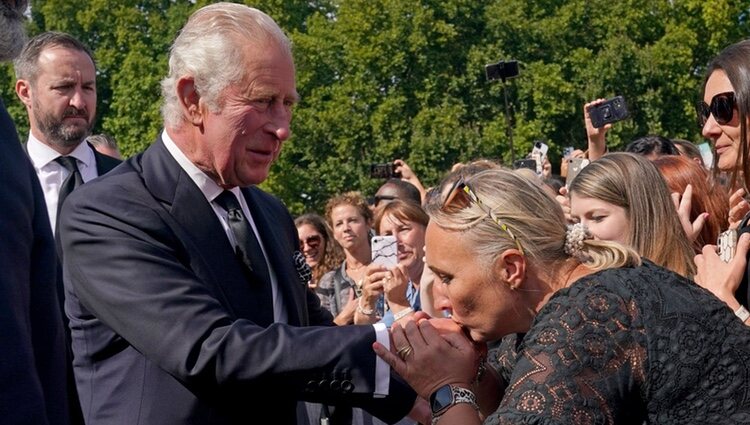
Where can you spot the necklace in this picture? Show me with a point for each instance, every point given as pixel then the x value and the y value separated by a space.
pixel 354 269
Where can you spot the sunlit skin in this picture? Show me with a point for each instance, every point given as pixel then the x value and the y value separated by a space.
pixel 237 144
pixel 61 102
pixel 725 138
pixel 487 309
pixel 605 221
pixel 410 239
pixel 349 227
pixel 312 250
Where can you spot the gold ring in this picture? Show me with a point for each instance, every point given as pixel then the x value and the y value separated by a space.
pixel 403 352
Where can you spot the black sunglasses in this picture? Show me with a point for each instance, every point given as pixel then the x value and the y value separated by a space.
pixel 722 108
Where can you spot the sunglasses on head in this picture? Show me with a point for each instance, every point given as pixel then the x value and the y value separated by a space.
pixel 461 196
pixel 721 107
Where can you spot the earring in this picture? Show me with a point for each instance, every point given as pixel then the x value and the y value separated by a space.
pixel 243 132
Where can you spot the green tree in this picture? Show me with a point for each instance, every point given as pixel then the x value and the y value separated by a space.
pixel 386 79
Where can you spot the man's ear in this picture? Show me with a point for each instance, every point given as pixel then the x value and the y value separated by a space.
pixel 190 100
pixel 24 92
pixel 511 266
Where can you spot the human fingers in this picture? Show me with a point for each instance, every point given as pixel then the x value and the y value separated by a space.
pixel 739 261
pixel 444 325
pixel 675 200
pixel 421 315
pixel 698 224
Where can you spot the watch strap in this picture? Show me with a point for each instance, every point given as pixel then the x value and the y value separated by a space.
pixel 459 395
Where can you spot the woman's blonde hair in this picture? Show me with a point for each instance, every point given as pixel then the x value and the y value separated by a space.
pixel 632 182
pixel 532 216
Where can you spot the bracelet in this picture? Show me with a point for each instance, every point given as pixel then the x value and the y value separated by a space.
pixel 403 313
pixel 742 313
pixel 448 396
pixel 361 310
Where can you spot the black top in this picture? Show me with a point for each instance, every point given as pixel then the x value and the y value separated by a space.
pixel 628 346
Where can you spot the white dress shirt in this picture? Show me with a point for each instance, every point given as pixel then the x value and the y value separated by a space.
pixel 52 174
pixel 211 191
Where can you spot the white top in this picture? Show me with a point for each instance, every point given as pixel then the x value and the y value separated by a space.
pixel 52 175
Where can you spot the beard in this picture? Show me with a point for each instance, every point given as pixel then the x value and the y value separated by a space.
pixel 13 33
pixel 59 133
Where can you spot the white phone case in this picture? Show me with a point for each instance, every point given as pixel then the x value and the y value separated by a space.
pixel 385 250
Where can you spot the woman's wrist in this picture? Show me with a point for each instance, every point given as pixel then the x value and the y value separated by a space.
pixel 367 310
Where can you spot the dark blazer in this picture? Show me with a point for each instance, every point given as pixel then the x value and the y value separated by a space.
pixel 32 350
pixel 166 326
pixel 104 164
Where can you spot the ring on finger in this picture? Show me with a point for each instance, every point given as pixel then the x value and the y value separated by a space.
pixel 404 351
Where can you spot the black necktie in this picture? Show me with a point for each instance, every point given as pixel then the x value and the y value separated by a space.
pixel 71 182
pixel 248 248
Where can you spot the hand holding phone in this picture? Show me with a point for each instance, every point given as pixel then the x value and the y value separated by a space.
pixel 539 153
pixel 575 165
pixel 727 244
pixel 384 171
pixel 609 111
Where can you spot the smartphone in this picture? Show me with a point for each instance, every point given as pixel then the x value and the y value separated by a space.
pixel 609 111
pixel 539 153
pixel 525 163
pixel 575 165
pixel 383 171
pixel 385 250
pixel 727 243
pixel 568 151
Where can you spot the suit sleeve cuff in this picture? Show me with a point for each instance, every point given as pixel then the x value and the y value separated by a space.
pixel 382 370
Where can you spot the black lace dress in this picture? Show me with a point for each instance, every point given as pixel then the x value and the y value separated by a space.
pixel 628 346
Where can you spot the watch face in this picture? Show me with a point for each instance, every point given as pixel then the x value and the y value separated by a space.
pixel 441 399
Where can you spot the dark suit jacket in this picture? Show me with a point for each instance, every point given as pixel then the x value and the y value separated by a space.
pixel 32 350
pixel 165 322
pixel 104 164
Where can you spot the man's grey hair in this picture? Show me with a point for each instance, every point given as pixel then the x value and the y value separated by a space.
pixel 207 49
pixel 103 140
pixel 12 31
pixel 27 63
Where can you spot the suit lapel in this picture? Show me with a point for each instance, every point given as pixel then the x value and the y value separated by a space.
pixel 279 254
pixel 104 163
pixel 211 256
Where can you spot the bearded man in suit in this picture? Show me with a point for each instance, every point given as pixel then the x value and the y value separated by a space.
pixel 187 302
pixel 56 81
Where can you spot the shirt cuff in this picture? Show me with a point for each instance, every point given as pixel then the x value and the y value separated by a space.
pixel 382 370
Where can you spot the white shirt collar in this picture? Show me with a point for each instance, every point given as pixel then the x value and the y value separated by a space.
pixel 41 154
pixel 206 184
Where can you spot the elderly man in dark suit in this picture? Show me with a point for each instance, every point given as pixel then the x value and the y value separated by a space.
pixel 182 278
pixel 32 350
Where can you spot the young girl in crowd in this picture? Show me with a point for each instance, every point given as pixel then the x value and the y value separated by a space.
pixel 622 197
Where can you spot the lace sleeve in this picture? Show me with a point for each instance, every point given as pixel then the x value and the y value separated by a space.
pixel 582 362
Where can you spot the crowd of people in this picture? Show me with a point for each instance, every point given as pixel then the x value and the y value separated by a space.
pixel 167 288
